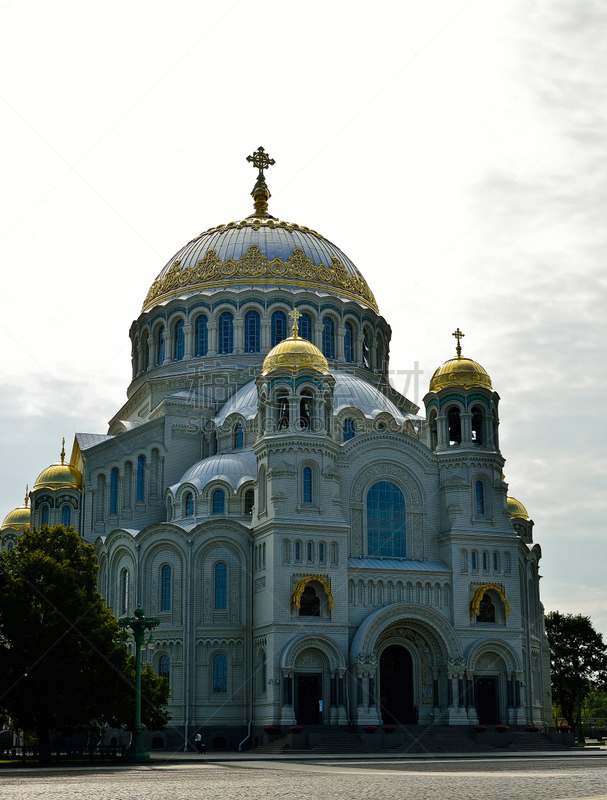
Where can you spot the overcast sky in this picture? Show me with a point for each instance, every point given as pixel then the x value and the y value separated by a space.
pixel 454 150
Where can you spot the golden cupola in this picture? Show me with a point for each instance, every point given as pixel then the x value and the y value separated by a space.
pixel 19 518
pixel 516 509
pixel 295 353
pixel 463 373
pixel 60 475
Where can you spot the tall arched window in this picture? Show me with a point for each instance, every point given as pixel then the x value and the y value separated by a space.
pixel 219 501
pixel 279 327
pixel 328 337
pixel 297 551
pixel 321 552
pixel 474 560
pixel 239 436
pixel 160 345
pixel 480 499
pixel 165 588
pixel 307 484
pixel 261 489
pixel 305 327
pixel 124 591
pixel 252 336
pixel 220 674
pixel 349 430
pixel 164 668
pixel 386 520
pixel 455 425
pixel 433 431
pixel 366 349
pixel 189 505
pixel 349 343
pixel 66 515
pixel 221 585
pixel 249 501
pixel 201 336
pixel 145 351
pixel 114 491
pixel 45 514
pixel 477 425
pixel 141 479
pixel 179 340
pixel 226 332
pixel 264 671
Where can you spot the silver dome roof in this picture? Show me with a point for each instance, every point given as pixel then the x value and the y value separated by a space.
pixel 234 468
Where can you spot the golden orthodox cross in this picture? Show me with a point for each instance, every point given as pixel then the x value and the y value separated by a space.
pixel 295 315
pixel 261 160
pixel 458 335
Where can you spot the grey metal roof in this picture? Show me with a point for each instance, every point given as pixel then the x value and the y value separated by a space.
pixel 274 242
pixel 244 402
pixel 234 468
pixel 404 564
pixel 86 440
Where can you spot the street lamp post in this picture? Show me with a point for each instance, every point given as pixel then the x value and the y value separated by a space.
pixel 138 624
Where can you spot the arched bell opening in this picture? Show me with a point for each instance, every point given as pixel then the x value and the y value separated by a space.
pixel 305 410
pixel 454 423
pixel 477 425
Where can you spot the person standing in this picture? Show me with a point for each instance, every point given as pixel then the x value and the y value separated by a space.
pixel 198 744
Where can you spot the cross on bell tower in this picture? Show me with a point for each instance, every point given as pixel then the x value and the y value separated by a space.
pixel 295 315
pixel 458 335
pixel 261 194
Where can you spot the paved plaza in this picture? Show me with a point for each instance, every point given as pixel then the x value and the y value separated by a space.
pixel 502 778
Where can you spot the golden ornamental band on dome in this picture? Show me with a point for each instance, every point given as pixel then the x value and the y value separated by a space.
pixel 19 518
pixel 460 372
pixel 60 475
pixel 295 353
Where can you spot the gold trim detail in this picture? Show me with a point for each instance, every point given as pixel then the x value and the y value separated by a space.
pixel 296 599
pixel 256 268
pixel 478 596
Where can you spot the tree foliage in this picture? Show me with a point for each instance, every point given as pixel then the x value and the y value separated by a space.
pixel 578 661
pixel 63 664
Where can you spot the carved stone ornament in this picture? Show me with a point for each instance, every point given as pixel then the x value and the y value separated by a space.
pixel 387 470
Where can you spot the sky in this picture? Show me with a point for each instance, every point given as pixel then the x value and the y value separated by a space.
pixel 454 150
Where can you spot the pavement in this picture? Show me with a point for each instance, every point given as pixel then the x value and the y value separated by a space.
pixel 242 776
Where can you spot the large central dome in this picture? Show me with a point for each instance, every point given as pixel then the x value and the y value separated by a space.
pixel 260 252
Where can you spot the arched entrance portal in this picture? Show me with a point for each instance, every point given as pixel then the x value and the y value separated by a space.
pixel 396 686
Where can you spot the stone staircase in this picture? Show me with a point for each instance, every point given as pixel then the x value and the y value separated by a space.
pixel 532 742
pixel 344 743
pixel 437 739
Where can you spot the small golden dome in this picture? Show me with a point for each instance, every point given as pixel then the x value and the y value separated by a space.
pixel 19 518
pixel 461 372
pixel 516 508
pixel 295 353
pixel 59 476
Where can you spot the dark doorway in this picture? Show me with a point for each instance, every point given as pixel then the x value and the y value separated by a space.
pixel 396 686
pixel 487 706
pixel 309 693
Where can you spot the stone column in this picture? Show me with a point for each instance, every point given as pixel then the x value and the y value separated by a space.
pixel 189 341
pixel 168 345
pixel 238 336
pixel 466 422
pixel 212 338
pixel 265 334
pixel 318 328
pixel 341 332
pixel 442 432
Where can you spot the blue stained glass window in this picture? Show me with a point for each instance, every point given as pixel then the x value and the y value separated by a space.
pixel 66 515
pixel 114 491
pixel 386 520
pixel 140 479
pixel 480 499
pixel 179 340
pixel 165 588
pixel 45 514
pixel 307 485
pixel 219 501
pixel 164 668
pixel 252 336
pixel 279 327
pixel 305 327
pixel 349 343
pixel 160 345
pixel 146 353
pixel 239 437
pixel 226 332
pixel 201 336
pixel 220 674
pixel 328 337
pixel 349 429
pixel 221 585
pixel 189 504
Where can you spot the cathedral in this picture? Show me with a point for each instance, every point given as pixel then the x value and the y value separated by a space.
pixel 317 551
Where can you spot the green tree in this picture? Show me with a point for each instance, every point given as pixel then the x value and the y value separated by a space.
pixel 578 661
pixel 64 666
